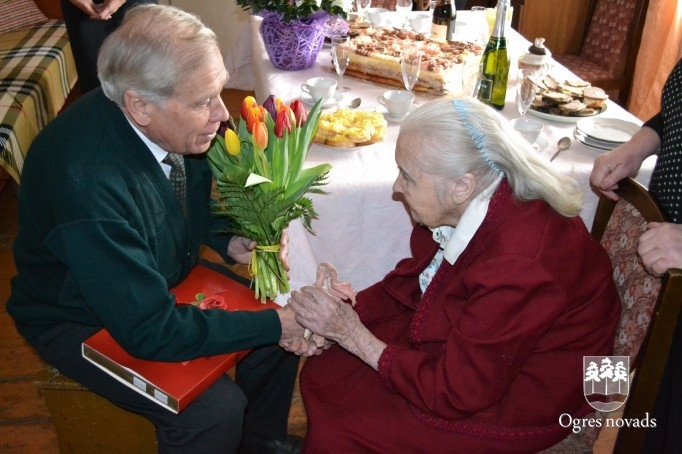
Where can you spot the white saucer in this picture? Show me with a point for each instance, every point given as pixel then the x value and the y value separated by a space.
pixel 306 98
pixel 382 110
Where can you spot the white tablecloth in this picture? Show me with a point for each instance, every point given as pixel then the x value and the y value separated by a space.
pixel 362 228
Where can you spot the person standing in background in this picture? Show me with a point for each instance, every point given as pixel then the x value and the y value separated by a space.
pixel 88 23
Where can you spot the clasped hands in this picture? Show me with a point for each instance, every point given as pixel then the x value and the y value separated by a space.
pixel 98 11
pixel 240 249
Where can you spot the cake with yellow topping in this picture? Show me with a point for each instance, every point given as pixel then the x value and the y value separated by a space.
pixel 346 128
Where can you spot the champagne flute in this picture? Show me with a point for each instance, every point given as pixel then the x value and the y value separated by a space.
pixel 526 89
pixel 363 7
pixel 341 58
pixel 403 8
pixel 410 65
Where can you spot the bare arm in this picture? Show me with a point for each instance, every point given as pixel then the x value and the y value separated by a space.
pixel 624 161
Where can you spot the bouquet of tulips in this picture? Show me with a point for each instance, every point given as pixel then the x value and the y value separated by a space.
pixel 261 182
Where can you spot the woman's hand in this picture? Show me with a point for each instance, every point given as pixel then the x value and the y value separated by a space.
pixel 336 320
pixel 622 162
pixel 322 314
pixel 89 7
pixel 108 8
pixel 240 249
pixel 660 247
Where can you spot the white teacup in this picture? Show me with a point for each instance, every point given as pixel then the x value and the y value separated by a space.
pixel 530 129
pixel 378 16
pixel 397 102
pixel 320 88
pixel 421 23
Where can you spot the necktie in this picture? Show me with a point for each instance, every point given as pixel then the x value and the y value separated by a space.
pixel 177 178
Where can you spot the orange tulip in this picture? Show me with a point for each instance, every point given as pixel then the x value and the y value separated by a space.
pixel 264 114
pixel 253 116
pixel 260 135
pixel 247 103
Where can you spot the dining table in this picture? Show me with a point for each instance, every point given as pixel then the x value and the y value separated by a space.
pixel 363 228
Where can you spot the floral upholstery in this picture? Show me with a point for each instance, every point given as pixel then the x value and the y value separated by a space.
pixel 607 34
pixel 638 289
pixel 582 68
pixel 604 47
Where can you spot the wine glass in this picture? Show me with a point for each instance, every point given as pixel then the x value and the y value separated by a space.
pixel 410 64
pixel 363 7
pixel 526 89
pixel 341 57
pixel 403 8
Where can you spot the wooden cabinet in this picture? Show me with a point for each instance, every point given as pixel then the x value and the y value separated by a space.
pixel 561 22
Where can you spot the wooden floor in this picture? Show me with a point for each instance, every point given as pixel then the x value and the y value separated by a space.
pixel 25 424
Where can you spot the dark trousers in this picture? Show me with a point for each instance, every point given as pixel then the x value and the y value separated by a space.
pixel 86 37
pixel 257 403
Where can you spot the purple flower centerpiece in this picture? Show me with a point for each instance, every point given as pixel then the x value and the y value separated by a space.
pixel 293 31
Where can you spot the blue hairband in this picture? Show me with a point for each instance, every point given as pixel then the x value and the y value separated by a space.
pixel 478 138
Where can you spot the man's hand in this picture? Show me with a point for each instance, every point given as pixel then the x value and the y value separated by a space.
pixel 660 247
pixel 292 335
pixel 240 249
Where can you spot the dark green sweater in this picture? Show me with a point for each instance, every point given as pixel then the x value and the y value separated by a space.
pixel 102 238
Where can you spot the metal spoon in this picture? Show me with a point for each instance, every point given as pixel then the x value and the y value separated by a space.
pixel 355 103
pixel 563 144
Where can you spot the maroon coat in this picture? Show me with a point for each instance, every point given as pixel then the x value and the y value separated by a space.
pixel 491 355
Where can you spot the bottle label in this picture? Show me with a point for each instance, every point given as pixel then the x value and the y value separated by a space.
pixel 439 32
pixel 485 93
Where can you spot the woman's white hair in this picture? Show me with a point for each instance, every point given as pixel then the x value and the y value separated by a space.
pixel 466 136
pixel 153 50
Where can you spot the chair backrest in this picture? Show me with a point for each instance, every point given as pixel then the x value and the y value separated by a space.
pixel 650 305
pixel 610 33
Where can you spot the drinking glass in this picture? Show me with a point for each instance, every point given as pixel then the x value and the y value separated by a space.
pixel 403 8
pixel 341 57
pixel 479 26
pixel 526 89
pixel 363 7
pixel 410 64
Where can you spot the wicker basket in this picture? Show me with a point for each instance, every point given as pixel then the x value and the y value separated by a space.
pixel 295 45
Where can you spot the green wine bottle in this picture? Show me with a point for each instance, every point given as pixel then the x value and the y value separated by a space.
pixel 495 62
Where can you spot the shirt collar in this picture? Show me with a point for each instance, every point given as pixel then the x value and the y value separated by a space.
pixel 471 220
pixel 158 152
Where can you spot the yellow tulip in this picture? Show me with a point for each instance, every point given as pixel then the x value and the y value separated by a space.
pixel 232 142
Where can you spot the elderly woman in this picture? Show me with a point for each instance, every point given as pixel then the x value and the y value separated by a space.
pixel 476 342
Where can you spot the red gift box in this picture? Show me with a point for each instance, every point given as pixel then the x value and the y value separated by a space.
pixel 175 385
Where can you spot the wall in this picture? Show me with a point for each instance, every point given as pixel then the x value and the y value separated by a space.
pixel 224 17
pixel 228 21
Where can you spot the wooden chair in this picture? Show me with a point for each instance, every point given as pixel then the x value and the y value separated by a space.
pixel 618 227
pixel 649 312
pixel 609 51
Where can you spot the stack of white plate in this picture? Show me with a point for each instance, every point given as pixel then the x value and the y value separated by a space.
pixel 604 133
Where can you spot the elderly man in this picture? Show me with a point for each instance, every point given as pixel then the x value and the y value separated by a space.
pixel 103 236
